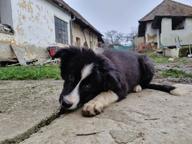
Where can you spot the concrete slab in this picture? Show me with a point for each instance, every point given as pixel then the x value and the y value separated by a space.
pixel 148 117
pixel 25 106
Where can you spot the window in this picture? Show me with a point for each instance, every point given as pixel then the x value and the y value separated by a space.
pixel 178 23
pixel 61 31
pixel 6 13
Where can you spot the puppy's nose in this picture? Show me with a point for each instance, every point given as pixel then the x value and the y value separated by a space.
pixel 66 103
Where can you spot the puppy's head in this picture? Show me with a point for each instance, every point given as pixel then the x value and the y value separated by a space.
pixel 85 75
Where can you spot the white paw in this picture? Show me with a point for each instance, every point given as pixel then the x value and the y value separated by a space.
pixel 92 108
pixel 182 90
pixel 137 88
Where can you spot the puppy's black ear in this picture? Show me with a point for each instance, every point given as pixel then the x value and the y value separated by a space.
pixel 66 54
pixel 109 76
pixel 115 83
pixel 112 80
pixel 58 54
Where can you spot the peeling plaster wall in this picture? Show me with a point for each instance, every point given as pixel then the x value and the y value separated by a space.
pixel 90 36
pixel 138 41
pixel 168 35
pixel 33 21
pixel 150 34
pixel 6 38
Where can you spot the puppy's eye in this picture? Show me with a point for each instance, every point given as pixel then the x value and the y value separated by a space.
pixel 71 78
pixel 87 86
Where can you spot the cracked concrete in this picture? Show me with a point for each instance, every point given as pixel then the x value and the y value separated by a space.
pixel 25 106
pixel 142 118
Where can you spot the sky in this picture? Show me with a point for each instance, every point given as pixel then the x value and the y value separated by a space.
pixel 120 15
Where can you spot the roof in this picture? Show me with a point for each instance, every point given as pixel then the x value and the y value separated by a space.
pixel 74 13
pixel 169 8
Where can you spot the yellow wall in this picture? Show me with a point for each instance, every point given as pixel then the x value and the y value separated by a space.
pixel 91 38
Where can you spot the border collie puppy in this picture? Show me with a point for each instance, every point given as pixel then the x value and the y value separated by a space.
pixel 94 80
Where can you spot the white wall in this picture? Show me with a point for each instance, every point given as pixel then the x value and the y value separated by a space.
pixel 168 35
pixel 33 22
pixel 6 12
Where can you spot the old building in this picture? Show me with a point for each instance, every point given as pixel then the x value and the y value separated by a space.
pixel 30 26
pixel 83 34
pixel 167 25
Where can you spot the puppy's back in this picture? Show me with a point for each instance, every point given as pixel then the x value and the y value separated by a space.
pixel 127 63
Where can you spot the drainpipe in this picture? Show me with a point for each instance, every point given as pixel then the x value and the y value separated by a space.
pixel 71 27
pixel 83 31
pixel 158 39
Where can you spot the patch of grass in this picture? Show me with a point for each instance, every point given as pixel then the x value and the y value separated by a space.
pixel 165 60
pixel 30 72
pixel 174 73
pixel 158 58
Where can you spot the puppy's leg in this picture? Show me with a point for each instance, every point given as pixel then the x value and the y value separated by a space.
pixel 137 88
pixel 96 105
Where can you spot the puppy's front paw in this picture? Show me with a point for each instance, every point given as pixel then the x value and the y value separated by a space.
pixel 92 108
pixel 137 89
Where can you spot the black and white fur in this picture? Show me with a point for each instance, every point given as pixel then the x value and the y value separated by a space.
pixel 95 80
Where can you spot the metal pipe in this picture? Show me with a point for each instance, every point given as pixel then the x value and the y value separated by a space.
pixel 71 27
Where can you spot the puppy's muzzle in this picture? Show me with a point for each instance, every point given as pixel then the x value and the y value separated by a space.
pixel 66 104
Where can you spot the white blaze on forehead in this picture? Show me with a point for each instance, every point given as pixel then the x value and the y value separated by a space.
pixel 74 96
pixel 98 50
pixel 86 71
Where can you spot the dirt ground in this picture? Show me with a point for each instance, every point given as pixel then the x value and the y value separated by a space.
pixel 184 65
